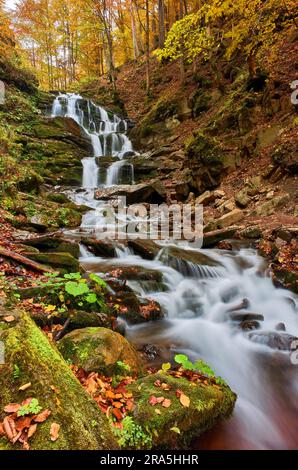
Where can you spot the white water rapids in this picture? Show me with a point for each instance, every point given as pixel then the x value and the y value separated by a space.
pixel 197 310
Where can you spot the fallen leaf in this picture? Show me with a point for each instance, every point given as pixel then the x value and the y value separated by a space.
pixel 166 403
pixel 2 432
pixel 117 413
pixel 9 319
pixel 12 408
pixel 153 400
pixel 24 387
pixel 32 430
pixel 23 423
pixel 55 389
pixel 184 400
pixel 157 411
pixel 175 429
pixel 41 417
pixel 117 404
pixel 157 383
pixel 9 428
pixel 54 431
pixel 160 399
pixel 165 387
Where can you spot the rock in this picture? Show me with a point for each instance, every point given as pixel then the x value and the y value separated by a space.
pixel 64 262
pixel 153 193
pixel 215 236
pixel 53 243
pixel 268 136
pixel 253 232
pixel 206 162
pixel 30 182
pixel 273 339
pixel 270 195
pixel 147 249
pixel 129 272
pixel 242 199
pixel 286 278
pixel 245 316
pixel 100 247
pixel 269 207
pixel 41 364
pixel 286 155
pixel 231 218
pixel 250 325
pixel 207 404
pixel 78 319
pixel 38 222
pixel 98 350
pixel 253 185
pixel 150 351
pixel 205 198
pixel 218 193
pixel 280 327
pixel 188 262
pixel 228 206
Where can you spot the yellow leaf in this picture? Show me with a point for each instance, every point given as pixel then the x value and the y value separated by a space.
pixel 184 400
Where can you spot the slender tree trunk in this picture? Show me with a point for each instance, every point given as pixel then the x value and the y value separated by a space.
pixel 147 48
pixel 161 23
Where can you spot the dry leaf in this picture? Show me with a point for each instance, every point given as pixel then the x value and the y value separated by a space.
pixel 12 408
pixel 54 431
pixel 160 399
pixel 165 387
pixel 41 417
pixel 9 428
pixel 184 400
pixel 32 430
pixel 166 403
pixel 157 411
pixel 23 423
pixel 153 400
pixel 24 387
pixel 9 319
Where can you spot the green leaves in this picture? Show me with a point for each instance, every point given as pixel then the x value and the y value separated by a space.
pixel 31 408
pixel 95 278
pixel 76 288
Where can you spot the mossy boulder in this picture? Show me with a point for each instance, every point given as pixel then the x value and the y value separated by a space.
pixel 206 161
pixel 99 350
pixel 64 262
pixel 31 181
pixel 176 425
pixel 82 425
pixel 58 244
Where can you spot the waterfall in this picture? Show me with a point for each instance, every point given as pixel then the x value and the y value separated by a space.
pixel 105 130
pixel 120 172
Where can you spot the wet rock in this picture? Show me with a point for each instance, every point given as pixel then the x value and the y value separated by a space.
pixel 38 222
pixel 246 316
pixel 98 350
pixel 150 351
pixel 273 339
pixel 154 193
pixel 148 249
pixel 280 327
pixel 207 405
pixel 55 243
pixel 41 365
pixel 64 262
pixel 286 278
pixel 215 236
pixel 250 325
pixel 100 247
pixel 129 272
pixel 231 218
pixel 190 263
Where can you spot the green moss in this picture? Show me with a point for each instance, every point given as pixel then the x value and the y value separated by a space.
pixel 41 364
pixel 208 403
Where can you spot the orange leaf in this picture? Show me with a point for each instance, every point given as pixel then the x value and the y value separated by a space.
pixel 12 408
pixel 160 399
pixel 153 400
pixel 9 319
pixel 117 404
pixel 23 423
pixel 117 413
pixel 9 428
pixel 54 431
pixel 41 417
pixel 32 430
pixel 166 403
pixel 184 400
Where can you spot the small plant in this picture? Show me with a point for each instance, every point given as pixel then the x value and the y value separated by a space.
pixel 74 291
pixel 199 365
pixel 16 372
pixel 132 435
pixel 31 408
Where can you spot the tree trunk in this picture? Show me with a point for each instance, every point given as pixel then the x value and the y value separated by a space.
pixel 161 23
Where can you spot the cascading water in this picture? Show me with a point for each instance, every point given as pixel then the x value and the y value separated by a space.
pixel 199 302
pixel 106 132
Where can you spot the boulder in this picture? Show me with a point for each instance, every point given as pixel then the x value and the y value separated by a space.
pixel 231 218
pixel 246 316
pixel 242 199
pixel 100 247
pixel 252 231
pixel 206 198
pixel 38 222
pixel 98 350
pixel 273 339
pixel 41 365
pixel 269 207
pixel 177 423
pixel 64 262
pixel 54 243
pixel 147 249
pixel 154 193
pixel 215 236
pixel 250 325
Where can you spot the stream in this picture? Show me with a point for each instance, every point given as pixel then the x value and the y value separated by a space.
pixel 198 305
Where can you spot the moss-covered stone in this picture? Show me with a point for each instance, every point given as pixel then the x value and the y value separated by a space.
pixel 208 403
pixel 41 364
pixel 64 262
pixel 98 349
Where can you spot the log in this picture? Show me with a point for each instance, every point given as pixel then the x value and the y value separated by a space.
pixel 25 261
